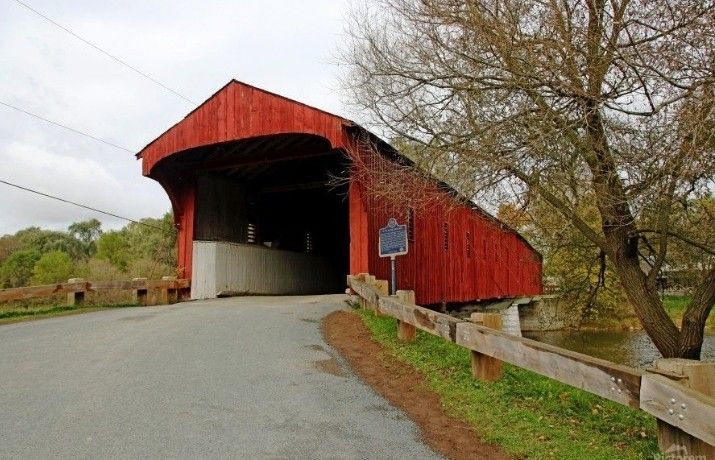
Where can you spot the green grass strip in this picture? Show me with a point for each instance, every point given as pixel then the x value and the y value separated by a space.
pixel 59 309
pixel 528 415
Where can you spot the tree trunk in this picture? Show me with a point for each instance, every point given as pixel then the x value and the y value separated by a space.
pixel 647 305
pixel 617 223
pixel 695 317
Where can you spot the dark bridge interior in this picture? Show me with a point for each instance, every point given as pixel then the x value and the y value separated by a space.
pixel 277 192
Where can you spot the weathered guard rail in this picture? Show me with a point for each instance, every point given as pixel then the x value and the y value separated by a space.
pixel 679 393
pixel 169 289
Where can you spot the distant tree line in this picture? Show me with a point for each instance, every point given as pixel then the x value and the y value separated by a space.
pixel 38 256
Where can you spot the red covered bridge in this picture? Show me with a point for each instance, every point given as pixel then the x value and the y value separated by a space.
pixel 249 175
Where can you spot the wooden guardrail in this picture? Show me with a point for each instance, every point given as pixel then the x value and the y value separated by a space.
pixel 169 290
pixel 679 393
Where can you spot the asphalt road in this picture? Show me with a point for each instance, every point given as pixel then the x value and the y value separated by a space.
pixel 229 378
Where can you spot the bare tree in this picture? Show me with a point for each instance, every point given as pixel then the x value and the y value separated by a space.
pixel 567 100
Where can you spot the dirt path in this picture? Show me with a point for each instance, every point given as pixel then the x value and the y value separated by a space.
pixel 402 386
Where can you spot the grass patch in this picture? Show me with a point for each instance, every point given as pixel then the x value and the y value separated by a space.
pixel 12 315
pixel 528 415
pixel 675 305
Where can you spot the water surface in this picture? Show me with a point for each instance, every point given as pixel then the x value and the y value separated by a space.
pixel 632 348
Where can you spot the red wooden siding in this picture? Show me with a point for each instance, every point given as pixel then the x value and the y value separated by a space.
pixel 239 111
pixel 359 253
pixel 458 254
pixel 186 231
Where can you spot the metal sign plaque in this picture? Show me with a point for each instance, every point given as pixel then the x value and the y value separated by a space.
pixel 393 239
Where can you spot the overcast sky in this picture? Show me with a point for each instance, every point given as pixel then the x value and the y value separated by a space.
pixel 284 46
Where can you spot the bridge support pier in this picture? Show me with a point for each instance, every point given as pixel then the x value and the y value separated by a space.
pixel 510 319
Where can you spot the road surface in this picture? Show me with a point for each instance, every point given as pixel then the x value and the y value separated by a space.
pixel 243 377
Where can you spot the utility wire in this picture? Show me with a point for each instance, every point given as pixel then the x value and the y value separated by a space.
pixel 106 53
pixel 27 189
pixel 81 133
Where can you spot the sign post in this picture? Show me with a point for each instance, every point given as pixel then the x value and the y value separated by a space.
pixel 393 275
pixel 393 243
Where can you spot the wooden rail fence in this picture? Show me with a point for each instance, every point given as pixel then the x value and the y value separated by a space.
pixel 169 290
pixel 679 393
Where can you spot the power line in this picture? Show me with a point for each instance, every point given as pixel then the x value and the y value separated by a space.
pixel 76 131
pixel 106 53
pixel 27 189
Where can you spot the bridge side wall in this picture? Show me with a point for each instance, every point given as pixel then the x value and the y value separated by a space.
pixel 456 255
pixel 223 268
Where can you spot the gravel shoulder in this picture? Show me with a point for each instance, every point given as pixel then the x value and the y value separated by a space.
pixel 403 387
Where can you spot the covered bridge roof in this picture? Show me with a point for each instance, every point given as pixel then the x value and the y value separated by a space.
pixel 242 112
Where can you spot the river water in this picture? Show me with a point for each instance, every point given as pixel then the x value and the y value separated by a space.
pixel 632 348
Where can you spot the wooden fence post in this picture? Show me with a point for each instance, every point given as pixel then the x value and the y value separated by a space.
pixel 382 287
pixel 167 294
pixel 484 367
pixel 406 332
pixel 183 294
pixel 139 295
pixel 699 376
pixel 76 298
pixel 362 277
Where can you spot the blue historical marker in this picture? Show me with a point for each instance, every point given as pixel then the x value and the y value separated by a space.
pixel 393 242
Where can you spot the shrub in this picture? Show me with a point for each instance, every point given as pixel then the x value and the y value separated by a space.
pixel 52 267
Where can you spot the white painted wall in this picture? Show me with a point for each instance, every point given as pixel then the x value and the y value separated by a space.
pixel 222 267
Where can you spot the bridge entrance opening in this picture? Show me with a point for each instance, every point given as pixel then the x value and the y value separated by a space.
pixel 270 223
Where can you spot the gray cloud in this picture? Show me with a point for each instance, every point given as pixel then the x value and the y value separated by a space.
pixel 193 47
